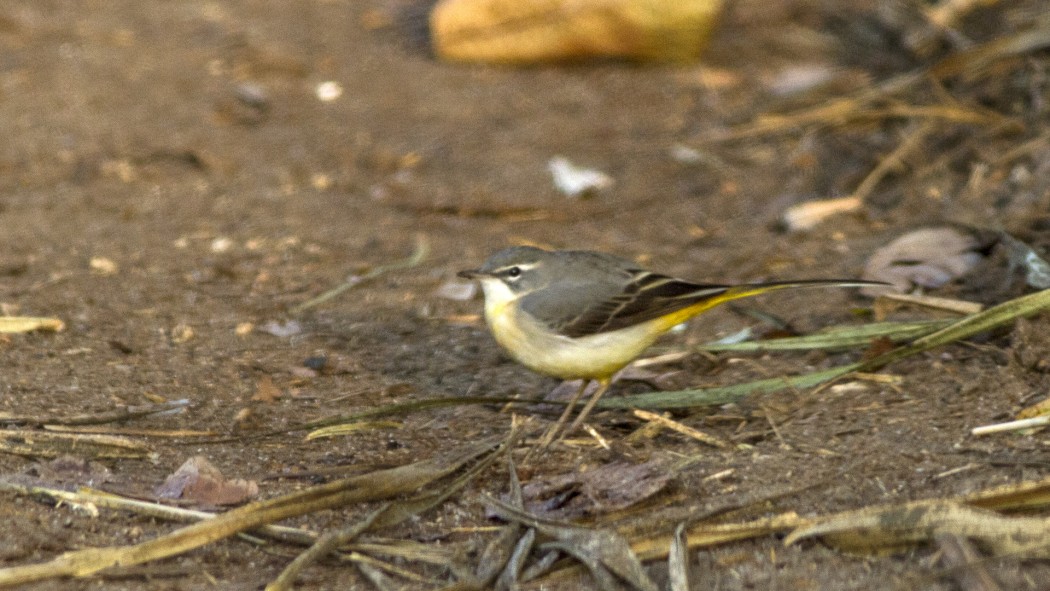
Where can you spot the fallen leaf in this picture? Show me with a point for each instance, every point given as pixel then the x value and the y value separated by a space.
pixel 930 258
pixel 201 483
pixel 606 488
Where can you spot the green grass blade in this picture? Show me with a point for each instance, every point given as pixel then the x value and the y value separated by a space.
pixel 723 394
pixel 841 337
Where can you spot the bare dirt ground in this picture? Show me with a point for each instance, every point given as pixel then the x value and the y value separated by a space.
pixel 168 175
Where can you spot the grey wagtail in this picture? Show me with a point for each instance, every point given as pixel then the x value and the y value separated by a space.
pixel 575 314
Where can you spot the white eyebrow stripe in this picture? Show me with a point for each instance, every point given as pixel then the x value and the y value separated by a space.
pixel 522 266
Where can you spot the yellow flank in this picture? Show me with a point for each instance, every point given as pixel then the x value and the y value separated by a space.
pixel 666 323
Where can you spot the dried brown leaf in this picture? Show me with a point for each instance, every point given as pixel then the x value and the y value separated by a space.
pixel 611 487
pixel 930 257
pixel 200 482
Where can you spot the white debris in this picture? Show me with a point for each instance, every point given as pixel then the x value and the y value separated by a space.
pixel 460 291
pixel 328 91
pixel 575 181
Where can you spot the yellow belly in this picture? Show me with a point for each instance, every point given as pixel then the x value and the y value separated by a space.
pixel 591 357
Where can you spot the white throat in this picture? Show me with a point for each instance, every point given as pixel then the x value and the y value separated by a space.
pixel 497 296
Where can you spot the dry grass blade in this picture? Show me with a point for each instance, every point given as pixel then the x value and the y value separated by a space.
pixel 155 510
pixel 407 550
pixel 678 560
pixel 1029 423
pixel 18 324
pixel 542 566
pixel 324 545
pixel 367 487
pixel 406 408
pixel 515 562
pixel 858 108
pixel 680 428
pixel 45 444
pixel 130 432
pixel 804 216
pixel 418 255
pixel 898 526
pixel 894 160
pixel 1032 494
pixel 497 554
pixel 348 428
pixel 598 569
pixel 972 61
pixel 376 576
pixel 934 303
pixel 1026 534
pixel 411 507
pixel 510 576
pixel 703 535
pixel 100 418
pixel 964 563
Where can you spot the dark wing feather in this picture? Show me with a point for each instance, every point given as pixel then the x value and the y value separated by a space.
pixel 651 296
pixel 645 296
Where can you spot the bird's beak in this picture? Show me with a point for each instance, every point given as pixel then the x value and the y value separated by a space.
pixel 473 274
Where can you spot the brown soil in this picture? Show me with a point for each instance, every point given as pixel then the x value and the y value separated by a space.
pixel 183 142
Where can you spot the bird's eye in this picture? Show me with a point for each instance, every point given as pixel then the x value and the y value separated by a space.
pixel 514 272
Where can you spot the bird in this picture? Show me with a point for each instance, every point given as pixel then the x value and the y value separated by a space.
pixel 581 314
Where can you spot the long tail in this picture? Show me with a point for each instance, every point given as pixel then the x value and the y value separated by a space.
pixel 707 300
pixel 752 289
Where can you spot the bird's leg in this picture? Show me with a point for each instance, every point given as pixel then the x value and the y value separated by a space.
pixel 603 385
pixel 552 431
